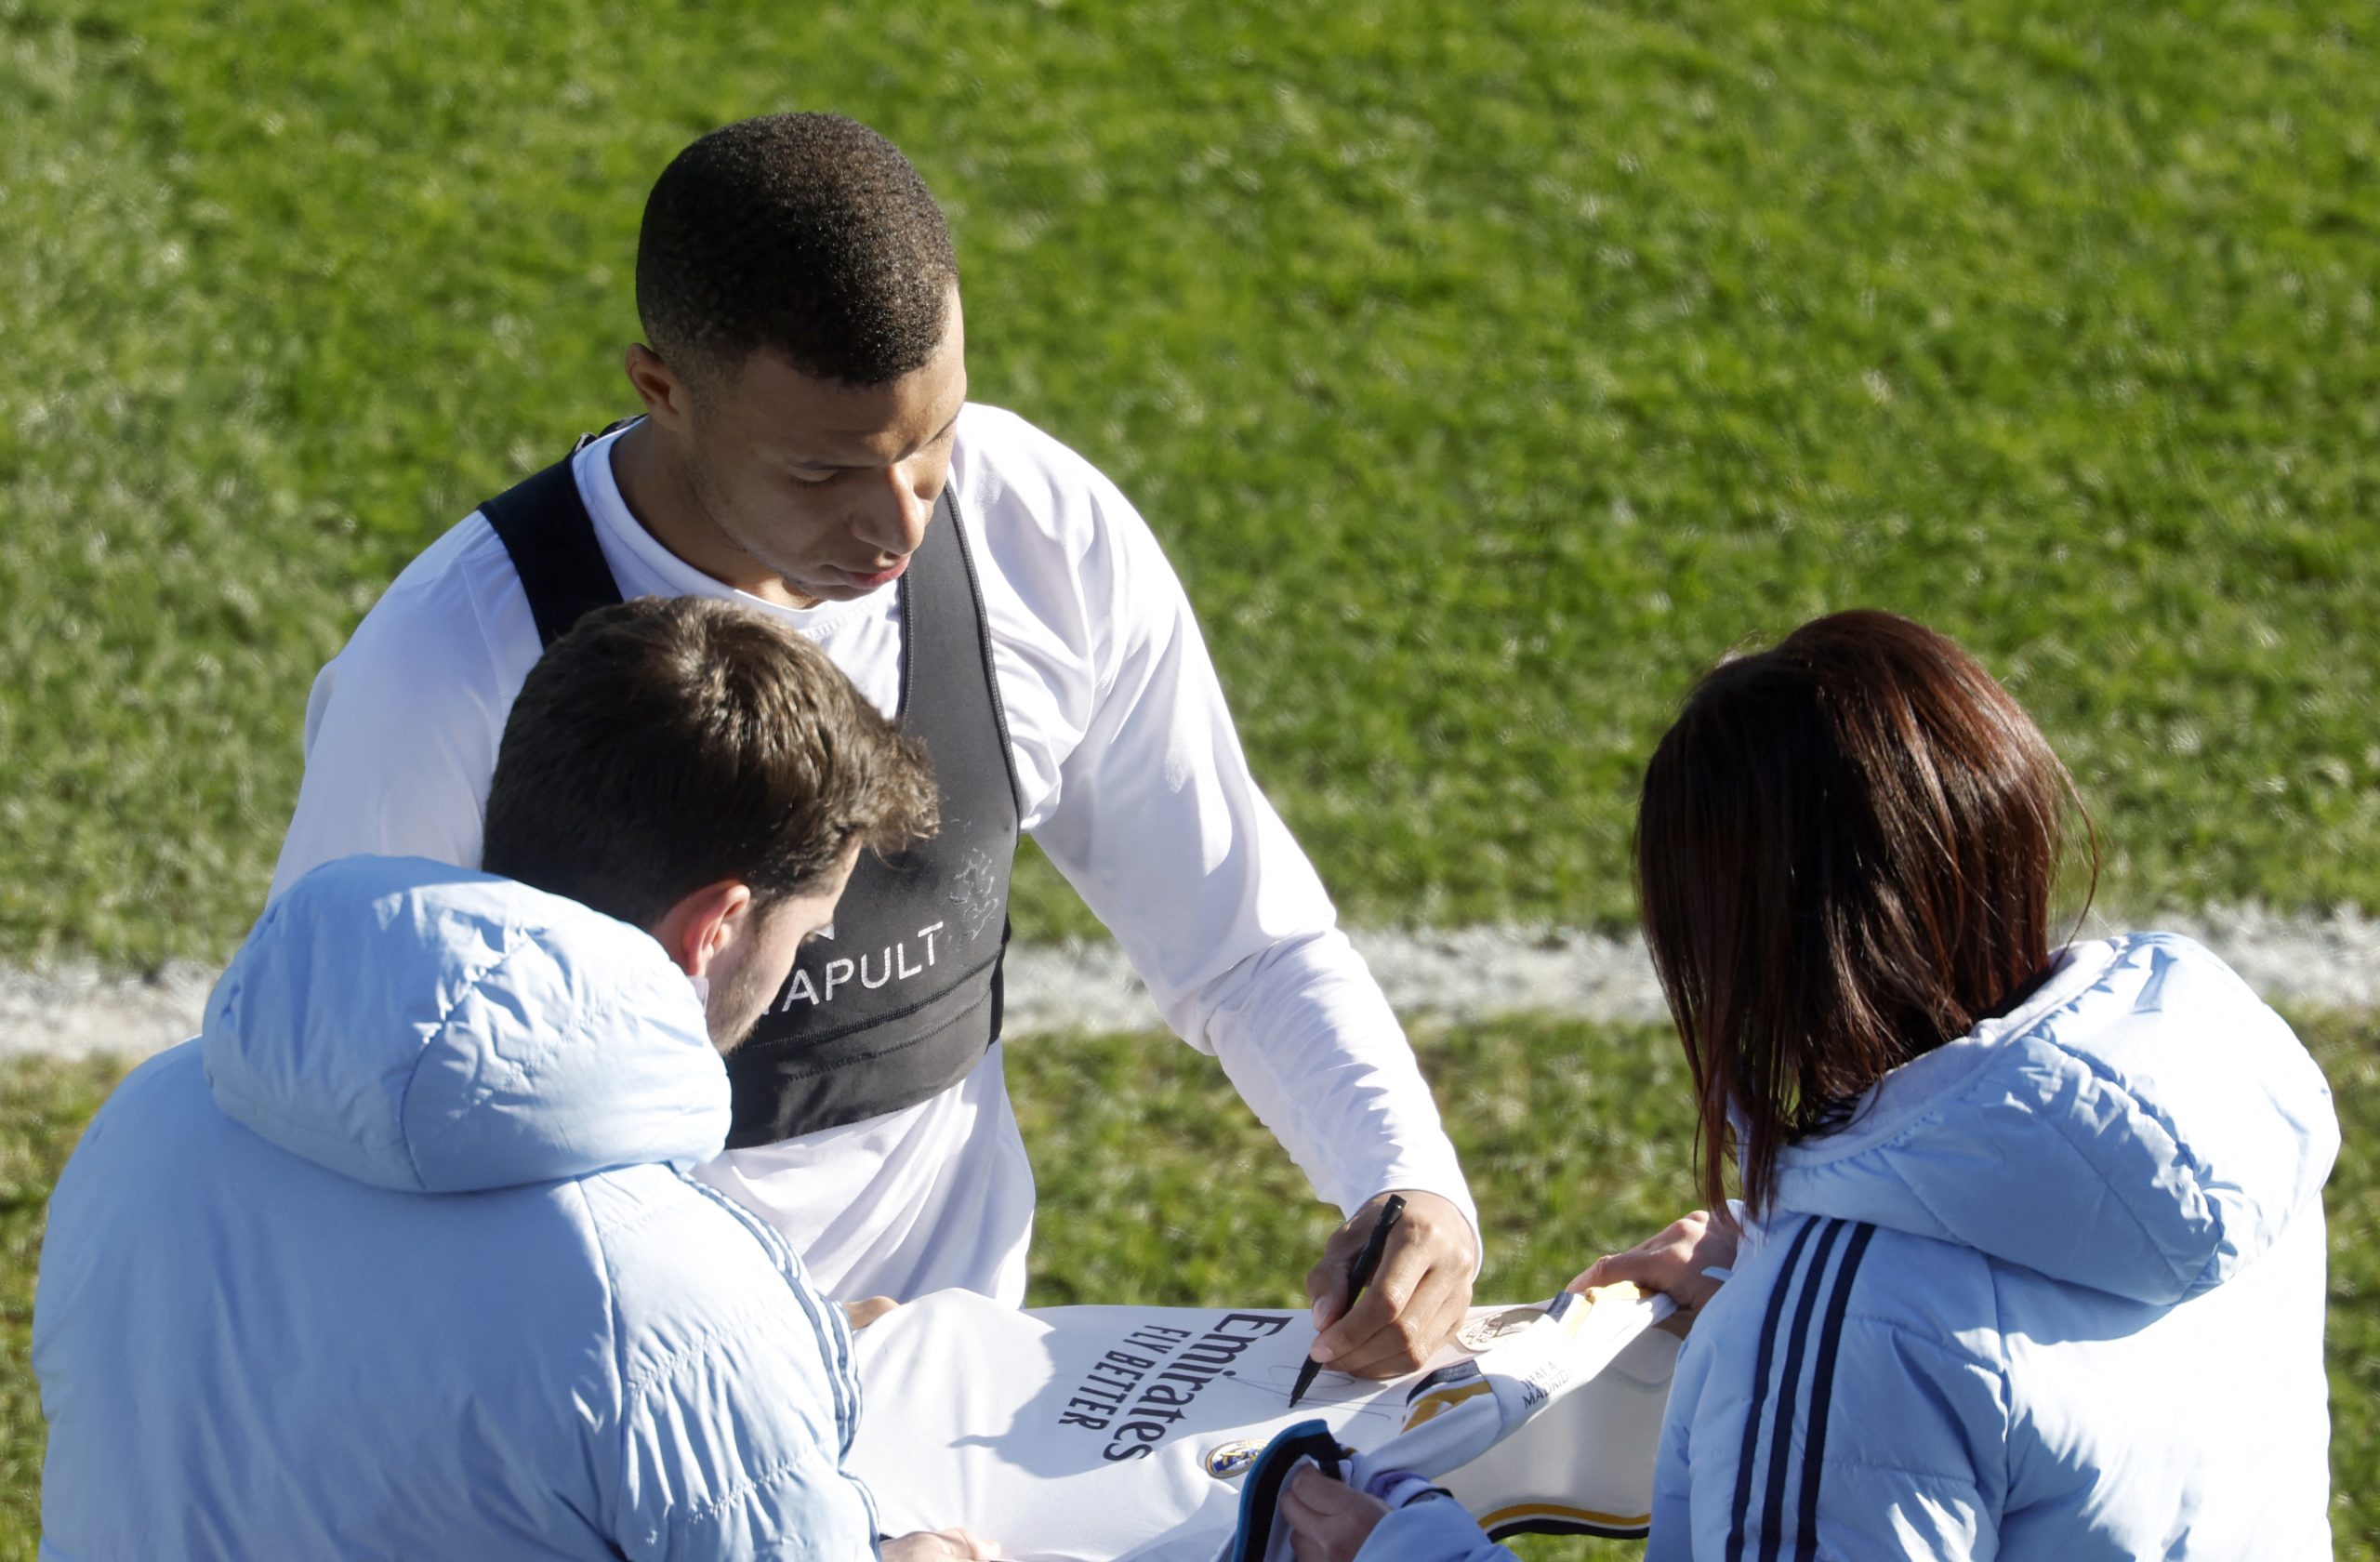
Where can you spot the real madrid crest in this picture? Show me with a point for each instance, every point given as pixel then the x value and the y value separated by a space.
pixel 1230 1460
pixel 1485 1328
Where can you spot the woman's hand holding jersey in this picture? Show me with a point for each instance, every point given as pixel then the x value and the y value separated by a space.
pixel 1679 1263
pixel 866 1310
pixel 1329 1520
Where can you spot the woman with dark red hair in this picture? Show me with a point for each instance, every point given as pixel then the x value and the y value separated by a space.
pixel 2029 1260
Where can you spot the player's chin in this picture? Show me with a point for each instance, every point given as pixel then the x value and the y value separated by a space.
pixel 833 590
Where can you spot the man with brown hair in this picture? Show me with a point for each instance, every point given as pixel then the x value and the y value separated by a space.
pixel 807 447
pixel 403 1256
pixel 752 770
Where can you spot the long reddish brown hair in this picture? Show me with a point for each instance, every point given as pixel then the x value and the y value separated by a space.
pixel 1847 854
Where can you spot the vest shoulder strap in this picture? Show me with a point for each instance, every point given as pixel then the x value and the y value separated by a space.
pixel 544 526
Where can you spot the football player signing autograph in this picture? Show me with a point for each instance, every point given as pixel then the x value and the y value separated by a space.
pixel 806 447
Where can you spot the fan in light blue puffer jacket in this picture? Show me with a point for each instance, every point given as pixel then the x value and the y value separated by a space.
pixel 2055 1291
pixel 400 1259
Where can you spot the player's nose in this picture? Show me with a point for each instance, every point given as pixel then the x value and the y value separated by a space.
pixel 895 519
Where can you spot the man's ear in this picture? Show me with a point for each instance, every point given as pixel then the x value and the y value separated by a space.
pixel 665 397
pixel 699 927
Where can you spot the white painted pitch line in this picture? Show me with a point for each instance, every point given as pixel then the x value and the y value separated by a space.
pixel 1462 975
pixel 2331 962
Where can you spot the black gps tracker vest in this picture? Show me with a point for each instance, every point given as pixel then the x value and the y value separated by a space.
pixel 901 1000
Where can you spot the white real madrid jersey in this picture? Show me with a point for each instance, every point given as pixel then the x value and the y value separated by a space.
pixel 1101 1433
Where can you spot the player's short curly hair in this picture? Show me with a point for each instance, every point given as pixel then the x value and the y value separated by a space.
pixel 808 234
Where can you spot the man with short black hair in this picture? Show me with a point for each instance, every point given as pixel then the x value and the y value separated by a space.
pixel 403 1256
pixel 807 447
pixel 816 199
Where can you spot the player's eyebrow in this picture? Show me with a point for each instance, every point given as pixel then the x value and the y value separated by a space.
pixel 865 466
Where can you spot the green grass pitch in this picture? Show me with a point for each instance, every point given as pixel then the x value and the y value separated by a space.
pixel 1486 370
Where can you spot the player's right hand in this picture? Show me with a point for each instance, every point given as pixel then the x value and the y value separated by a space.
pixel 1415 1301
pixel 940 1545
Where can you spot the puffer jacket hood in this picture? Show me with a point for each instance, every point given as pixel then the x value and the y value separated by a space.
pixel 392 1261
pixel 485 1035
pixel 2143 1126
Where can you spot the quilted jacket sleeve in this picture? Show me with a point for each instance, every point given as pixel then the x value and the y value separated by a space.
pixel 724 1471
pixel 738 1396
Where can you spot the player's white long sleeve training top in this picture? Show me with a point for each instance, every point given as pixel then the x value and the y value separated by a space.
pixel 1133 781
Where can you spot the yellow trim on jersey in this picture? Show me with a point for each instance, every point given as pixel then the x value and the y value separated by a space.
pixel 1558 1510
pixel 1618 1291
pixel 1432 1403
